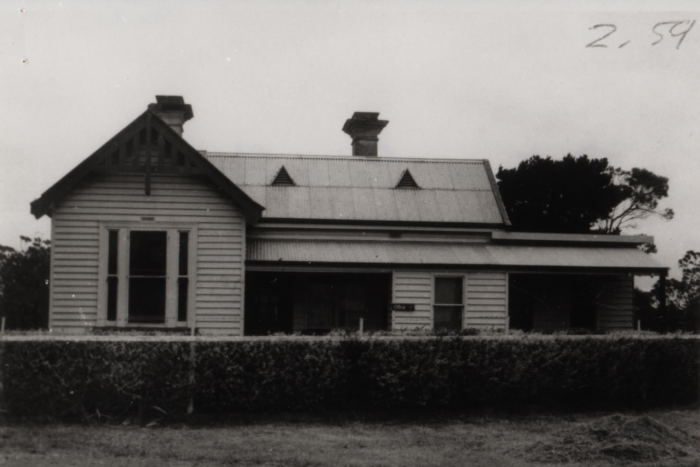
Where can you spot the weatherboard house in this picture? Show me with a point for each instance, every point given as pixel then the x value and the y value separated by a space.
pixel 149 232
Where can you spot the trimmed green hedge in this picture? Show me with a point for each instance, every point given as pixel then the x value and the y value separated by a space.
pixel 583 371
pixel 64 379
pixel 264 375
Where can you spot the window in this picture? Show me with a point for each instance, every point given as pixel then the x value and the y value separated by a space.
pixel 448 306
pixel 183 281
pixel 146 275
pixel 112 275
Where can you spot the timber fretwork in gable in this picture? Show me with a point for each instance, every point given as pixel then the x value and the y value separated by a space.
pixel 150 148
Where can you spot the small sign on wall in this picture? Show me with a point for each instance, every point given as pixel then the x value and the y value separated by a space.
pixel 403 307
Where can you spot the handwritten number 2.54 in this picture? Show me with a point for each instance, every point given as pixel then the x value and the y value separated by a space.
pixel 672 28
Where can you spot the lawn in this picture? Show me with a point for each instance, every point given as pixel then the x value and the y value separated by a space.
pixel 653 438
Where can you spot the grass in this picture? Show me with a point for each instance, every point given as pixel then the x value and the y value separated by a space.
pixel 660 438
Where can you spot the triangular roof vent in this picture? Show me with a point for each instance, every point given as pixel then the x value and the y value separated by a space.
pixel 407 181
pixel 282 178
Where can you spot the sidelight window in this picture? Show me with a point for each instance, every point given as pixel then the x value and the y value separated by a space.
pixel 112 275
pixel 183 281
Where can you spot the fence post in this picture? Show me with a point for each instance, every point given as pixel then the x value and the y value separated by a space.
pixel 190 405
pixel 362 325
pixel 193 359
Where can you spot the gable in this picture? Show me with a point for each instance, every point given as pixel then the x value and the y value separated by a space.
pixel 147 146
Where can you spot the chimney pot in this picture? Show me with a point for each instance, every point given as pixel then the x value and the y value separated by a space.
pixel 173 111
pixel 364 129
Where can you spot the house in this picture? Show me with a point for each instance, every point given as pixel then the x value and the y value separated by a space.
pixel 149 232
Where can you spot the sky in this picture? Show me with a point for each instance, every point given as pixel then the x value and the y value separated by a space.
pixel 456 79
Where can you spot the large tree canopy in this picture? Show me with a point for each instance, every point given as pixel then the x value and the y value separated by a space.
pixel 24 285
pixel 579 195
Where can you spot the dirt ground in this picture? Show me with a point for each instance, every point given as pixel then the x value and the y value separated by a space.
pixel 661 438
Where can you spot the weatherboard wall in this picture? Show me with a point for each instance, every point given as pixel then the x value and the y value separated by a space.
pixel 485 298
pixel 176 200
pixel 615 306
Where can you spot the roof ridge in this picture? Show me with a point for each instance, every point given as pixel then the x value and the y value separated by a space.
pixel 212 154
pixel 355 187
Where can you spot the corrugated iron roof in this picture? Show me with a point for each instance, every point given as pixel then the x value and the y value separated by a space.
pixel 417 253
pixel 363 188
pixel 558 238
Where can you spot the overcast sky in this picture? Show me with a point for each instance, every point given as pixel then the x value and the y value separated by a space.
pixel 455 80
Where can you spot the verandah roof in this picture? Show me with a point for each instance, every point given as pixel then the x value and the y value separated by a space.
pixel 628 259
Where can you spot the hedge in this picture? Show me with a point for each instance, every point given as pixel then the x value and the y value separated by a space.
pixel 74 379
pixel 64 379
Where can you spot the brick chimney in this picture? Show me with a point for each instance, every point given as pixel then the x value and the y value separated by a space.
pixel 173 111
pixel 364 129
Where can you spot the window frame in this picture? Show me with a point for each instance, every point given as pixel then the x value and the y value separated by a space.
pixel 433 280
pixel 173 230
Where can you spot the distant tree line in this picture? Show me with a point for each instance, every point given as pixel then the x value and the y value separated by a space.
pixel 682 299
pixel 24 284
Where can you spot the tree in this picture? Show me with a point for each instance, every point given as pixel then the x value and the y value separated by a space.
pixel 579 195
pixel 24 284
pixel 643 191
pixel 682 298
pixel 681 293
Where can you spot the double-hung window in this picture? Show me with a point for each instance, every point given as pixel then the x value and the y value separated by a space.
pixel 145 278
pixel 448 302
